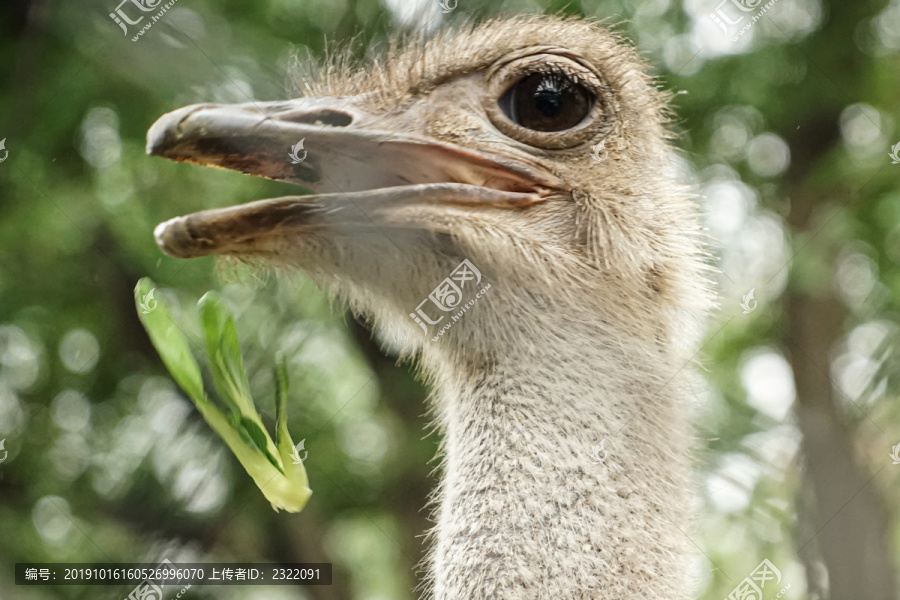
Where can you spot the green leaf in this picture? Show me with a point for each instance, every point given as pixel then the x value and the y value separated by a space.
pixel 283 483
pixel 229 374
pixel 294 472
pixel 225 354
pixel 261 441
pixel 281 390
pixel 171 343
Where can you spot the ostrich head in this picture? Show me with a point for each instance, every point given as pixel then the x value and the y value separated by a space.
pixel 534 148
pixel 472 145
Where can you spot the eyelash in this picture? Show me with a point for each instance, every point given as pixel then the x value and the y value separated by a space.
pixel 569 75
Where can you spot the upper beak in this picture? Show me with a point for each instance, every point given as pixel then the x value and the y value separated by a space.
pixel 330 146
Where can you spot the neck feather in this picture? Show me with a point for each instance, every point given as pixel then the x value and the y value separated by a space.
pixel 531 508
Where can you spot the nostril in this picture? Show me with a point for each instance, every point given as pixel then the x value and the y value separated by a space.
pixel 324 116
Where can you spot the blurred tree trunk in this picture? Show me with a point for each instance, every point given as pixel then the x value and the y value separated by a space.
pixel 849 523
pixel 26 20
pixel 843 522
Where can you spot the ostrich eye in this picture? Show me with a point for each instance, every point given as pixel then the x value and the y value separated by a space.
pixel 546 102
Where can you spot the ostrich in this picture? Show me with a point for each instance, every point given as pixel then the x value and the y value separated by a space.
pixel 544 290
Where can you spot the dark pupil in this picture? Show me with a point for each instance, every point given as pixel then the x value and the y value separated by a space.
pixel 546 102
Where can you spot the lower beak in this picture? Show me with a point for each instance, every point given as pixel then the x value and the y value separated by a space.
pixel 329 146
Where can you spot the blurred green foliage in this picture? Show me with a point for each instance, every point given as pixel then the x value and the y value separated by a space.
pixel 109 462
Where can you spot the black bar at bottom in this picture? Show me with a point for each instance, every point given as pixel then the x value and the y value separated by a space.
pixel 167 573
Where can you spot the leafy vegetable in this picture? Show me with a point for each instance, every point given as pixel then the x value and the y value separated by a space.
pixel 272 465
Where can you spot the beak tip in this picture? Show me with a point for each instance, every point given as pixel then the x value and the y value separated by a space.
pixel 169 130
pixel 161 234
pixel 160 136
pixel 172 237
pixel 157 137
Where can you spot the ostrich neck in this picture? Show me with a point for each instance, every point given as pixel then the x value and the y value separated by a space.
pixel 526 511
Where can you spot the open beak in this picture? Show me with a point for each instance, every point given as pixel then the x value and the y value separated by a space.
pixel 332 147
